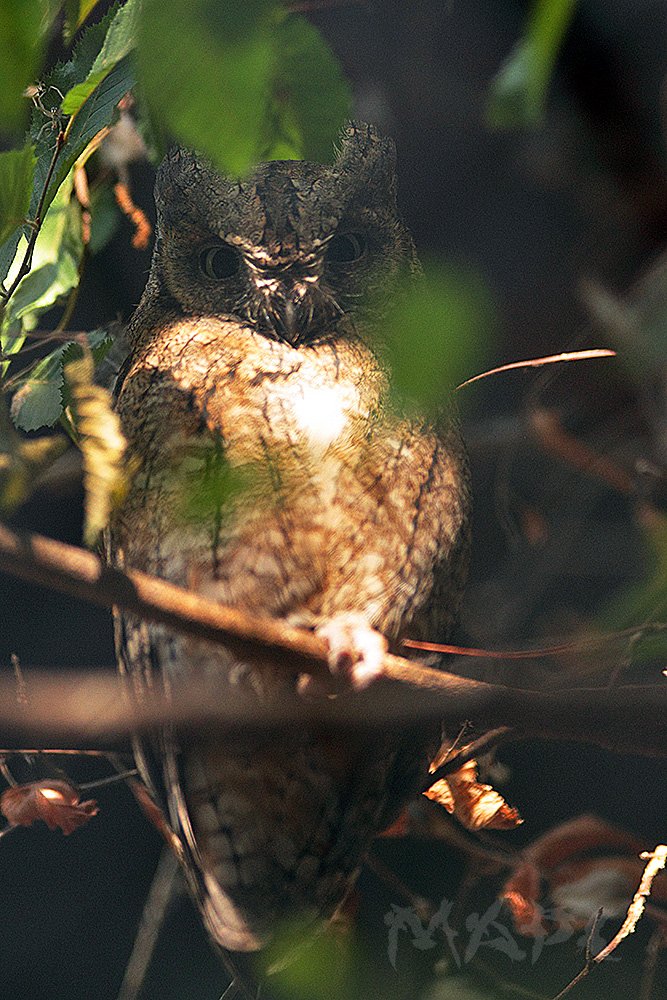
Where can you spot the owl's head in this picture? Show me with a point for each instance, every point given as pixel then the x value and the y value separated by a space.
pixel 294 249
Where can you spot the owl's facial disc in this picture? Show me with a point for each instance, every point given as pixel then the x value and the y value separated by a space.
pixel 301 252
pixel 290 296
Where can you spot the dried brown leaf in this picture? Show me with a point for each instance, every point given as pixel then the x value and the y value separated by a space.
pixel 56 803
pixel 477 806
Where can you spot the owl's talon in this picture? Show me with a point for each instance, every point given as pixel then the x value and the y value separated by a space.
pixel 356 651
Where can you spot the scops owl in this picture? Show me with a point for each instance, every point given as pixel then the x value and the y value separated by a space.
pixel 253 351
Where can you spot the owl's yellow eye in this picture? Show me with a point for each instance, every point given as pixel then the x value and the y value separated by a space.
pixel 346 248
pixel 219 262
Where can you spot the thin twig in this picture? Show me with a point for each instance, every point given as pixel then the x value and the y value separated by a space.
pixel 555 440
pixel 656 861
pixel 470 751
pixel 35 224
pixel 633 634
pixel 112 779
pixel 551 359
pixel 160 895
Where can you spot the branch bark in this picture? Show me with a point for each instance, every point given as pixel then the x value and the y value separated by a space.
pixel 95 708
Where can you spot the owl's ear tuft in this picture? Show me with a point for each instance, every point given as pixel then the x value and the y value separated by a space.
pixel 179 169
pixel 186 183
pixel 368 156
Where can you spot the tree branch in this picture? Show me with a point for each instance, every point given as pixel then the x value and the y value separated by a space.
pixel 96 708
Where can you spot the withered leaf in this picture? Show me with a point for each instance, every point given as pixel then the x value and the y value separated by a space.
pixel 560 864
pixel 475 805
pixel 101 441
pixel 55 802
pixel 522 893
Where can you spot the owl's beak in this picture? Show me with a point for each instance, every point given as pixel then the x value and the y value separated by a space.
pixel 291 313
pixel 290 320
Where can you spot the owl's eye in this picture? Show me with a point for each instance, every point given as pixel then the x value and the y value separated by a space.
pixel 219 262
pixel 346 248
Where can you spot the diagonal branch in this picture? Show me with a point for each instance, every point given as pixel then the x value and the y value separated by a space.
pixel 94 707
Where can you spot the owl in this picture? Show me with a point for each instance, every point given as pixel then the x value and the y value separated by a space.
pixel 275 473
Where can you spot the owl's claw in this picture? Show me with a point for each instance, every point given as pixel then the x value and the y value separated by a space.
pixel 356 654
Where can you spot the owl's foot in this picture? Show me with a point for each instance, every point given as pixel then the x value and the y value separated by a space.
pixel 356 653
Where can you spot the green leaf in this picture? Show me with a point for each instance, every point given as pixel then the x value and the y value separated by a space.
pixel 38 403
pixel 39 400
pixel 310 97
pixel 101 441
pixel 76 12
pixel 75 97
pixel 94 113
pixel 17 169
pixel 518 93
pixel 55 269
pixel 20 52
pixel 206 70
pixel 8 253
pixel 119 41
pixel 435 334
pixel 251 82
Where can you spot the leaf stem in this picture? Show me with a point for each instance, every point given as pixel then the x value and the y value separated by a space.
pixel 34 224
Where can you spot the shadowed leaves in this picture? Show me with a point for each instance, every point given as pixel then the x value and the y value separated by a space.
pixel 100 438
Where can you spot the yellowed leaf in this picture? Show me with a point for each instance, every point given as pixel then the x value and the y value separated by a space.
pixel 475 805
pixel 101 441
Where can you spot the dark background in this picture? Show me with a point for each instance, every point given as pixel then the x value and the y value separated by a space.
pixel 536 214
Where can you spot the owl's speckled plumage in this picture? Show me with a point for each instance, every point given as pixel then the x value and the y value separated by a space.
pixel 252 341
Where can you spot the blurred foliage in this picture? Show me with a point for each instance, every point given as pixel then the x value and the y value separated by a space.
pixel 54 273
pixel 98 433
pixel 251 82
pixel 20 54
pixel 208 486
pixel 437 333
pixel 17 168
pixel 21 463
pixel 307 966
pixel 518 93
